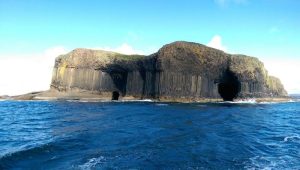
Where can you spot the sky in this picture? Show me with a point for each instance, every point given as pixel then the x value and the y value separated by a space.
pixel 34 32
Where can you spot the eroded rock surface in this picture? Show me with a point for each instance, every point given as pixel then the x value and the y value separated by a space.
pixel 180 70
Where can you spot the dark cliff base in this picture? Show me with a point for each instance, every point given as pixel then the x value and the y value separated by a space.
pixel 85 96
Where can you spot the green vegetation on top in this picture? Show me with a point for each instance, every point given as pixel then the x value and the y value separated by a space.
pixel 133 57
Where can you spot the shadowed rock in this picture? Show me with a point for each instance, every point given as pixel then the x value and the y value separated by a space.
pixel 229 86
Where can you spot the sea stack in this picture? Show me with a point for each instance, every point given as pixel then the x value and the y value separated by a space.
pixel 180 71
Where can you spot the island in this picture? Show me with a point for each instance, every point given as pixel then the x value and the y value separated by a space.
pixel 179 71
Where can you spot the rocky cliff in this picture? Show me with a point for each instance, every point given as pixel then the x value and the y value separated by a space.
pixel 180 70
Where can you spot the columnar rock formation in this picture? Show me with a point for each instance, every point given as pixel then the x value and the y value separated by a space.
pixel 180 70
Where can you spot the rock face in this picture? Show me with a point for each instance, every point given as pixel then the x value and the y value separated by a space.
pixel 180 70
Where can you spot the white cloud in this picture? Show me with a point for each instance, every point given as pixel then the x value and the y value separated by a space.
pixel 26 73
pixel 124 49
pixel 287 70
pixel 224 3
pixel 216 42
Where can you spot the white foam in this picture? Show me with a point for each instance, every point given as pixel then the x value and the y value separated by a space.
pixel 87 101
pixel 253 101
pixel 288 101
pixel 291 138
pixel 293 101
pixel 269 102
pixel 266 163
pixel 91 164
pixel 162 104
pixel 143 100
pixel 248 101
pixel 147 100
pixel 45 98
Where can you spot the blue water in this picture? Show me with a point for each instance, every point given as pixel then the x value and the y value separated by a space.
pixel 148 135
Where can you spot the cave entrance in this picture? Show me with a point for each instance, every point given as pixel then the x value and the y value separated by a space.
pixel 229 87
pixel 115 95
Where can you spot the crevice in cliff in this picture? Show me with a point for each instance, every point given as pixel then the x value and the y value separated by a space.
pixel 115 95
pixel 143 76
pixel 120 81
pixel 229 86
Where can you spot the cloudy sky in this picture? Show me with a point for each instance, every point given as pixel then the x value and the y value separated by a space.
pixel 34 32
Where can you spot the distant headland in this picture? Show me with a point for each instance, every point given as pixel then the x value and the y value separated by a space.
pixel 180 71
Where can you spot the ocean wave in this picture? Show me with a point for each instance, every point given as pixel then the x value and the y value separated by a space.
pixel 269 102
pixel 254 101
pixel 292 138
pixel 92 163
pixel 268 163
pixel 248 101
pixel 10 157
pixel 278 102
pixel 293 101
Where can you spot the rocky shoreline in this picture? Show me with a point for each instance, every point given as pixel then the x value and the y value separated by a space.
pixel 52 95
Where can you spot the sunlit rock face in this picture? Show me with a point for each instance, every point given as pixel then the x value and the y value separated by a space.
pixel 180 70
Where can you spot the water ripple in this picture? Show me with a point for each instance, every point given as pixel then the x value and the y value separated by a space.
pixel 149 135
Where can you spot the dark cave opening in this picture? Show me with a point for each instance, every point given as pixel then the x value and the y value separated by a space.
pixel 115 95
pixel 229 87
pixel 119 79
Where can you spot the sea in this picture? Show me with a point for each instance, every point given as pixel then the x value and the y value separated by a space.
pixel 149 135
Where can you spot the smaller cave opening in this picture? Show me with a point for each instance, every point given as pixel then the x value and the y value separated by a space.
pixel 229 87
pixel 115 95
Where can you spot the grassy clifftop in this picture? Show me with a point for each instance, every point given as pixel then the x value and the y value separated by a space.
pixel 248 68
pixel 88 58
